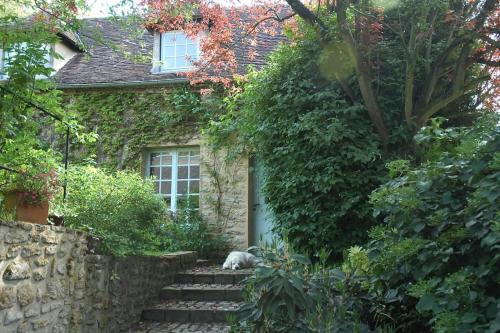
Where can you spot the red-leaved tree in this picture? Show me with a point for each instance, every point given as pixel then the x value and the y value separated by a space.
pixel 451 48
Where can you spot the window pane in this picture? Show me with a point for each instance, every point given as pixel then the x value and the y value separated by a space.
pixel 195 159
pixel 166 187
pixel 183 159
pixel 194 172
pixel 194 186
pixel 169 62
pixel 155 159
pixel 180 39
pixel 168 39
pixel 182 202
pixel 180 62
pixel 166 173
pixel 182 187
pixel 157 187
pixel 154 173
pixel 168 51
pixel 180 51
pixel 182 172
pixel 192 51
pixel 166 159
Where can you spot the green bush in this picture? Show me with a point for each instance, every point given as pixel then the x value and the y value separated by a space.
pixel 290 294
pixel 121 209
pixel 320 154
pixel 439 249
pixel 433 266
pixel 188 231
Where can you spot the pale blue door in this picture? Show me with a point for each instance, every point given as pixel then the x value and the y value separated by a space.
pixel 261 222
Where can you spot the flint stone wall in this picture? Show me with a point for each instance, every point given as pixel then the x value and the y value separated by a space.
pixel 49 284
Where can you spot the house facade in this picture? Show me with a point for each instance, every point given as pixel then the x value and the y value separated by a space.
pixel 110 88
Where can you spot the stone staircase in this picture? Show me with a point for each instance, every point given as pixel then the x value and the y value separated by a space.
pixel 200 300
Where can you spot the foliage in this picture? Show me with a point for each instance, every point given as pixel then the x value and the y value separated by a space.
pixel 124 123
pixel 188 231
pixel 446 49
pixel 320 153
pixel 121 209
pixel 287 293
pixel 35 177
pixel 24 43
pixel 305 118
pixel 432 266
pixel 439 248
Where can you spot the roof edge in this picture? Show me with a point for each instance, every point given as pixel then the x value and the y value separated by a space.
pixel 63 86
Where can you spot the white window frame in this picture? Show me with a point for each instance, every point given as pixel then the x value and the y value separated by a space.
pixel 162 63
pixel 175 165
pixel 49 58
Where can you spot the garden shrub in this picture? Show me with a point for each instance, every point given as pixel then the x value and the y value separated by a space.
pixel 439 249
pixel 188 231
pixel 290 294
pixel 120 208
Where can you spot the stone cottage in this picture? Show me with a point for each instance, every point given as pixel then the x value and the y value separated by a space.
pixel 184 168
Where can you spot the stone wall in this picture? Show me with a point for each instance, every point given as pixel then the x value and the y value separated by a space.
pixel 48 282
pixel 224 185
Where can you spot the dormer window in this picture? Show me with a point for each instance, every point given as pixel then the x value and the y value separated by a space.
pixel 175 52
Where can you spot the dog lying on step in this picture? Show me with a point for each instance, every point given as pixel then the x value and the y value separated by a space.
pixel 240 260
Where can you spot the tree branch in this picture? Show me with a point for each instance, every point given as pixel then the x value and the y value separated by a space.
pixel 430 110
pixel 362 72
pixel 308 16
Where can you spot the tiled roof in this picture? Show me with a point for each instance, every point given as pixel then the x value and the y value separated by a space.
pixel 105 65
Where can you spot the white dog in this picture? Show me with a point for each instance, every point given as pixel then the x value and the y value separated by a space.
pixel 239 260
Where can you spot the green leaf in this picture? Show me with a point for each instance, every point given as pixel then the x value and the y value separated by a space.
pixel 301 259
pixel 469 318
pixel 426 303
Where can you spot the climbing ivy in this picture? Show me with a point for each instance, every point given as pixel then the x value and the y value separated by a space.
pixel 127 122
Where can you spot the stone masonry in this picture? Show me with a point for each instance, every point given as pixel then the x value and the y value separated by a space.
pixel 49 284
pixel 201 300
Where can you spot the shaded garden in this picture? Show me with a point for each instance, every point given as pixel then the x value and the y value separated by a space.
pixel 377 125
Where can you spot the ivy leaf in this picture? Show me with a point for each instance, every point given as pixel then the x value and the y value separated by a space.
pixel 427 303
pixel 469 318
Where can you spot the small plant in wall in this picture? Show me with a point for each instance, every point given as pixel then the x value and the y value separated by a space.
pixel 31 184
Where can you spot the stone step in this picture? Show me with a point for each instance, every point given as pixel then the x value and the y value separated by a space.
pixel 191 311
pixel 202 292
pixel 212 275
pixel 169 327
pixel 203 263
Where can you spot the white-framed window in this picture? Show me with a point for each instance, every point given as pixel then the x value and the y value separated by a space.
pixel 8 56
pixel 176 51
pixel 176 174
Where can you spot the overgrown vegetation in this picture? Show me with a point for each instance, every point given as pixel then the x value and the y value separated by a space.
pixel 439 248
pixel 431 266
pixel 290 294
pixel 120 209
pixel 188 231
pixel 126 122
pixel 320 153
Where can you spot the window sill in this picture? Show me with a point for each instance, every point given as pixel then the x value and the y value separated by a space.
pixel 173 71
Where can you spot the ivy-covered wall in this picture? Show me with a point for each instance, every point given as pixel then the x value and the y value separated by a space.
pixel 129 122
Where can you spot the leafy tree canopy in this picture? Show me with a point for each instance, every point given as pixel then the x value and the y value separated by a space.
pixel 448 50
